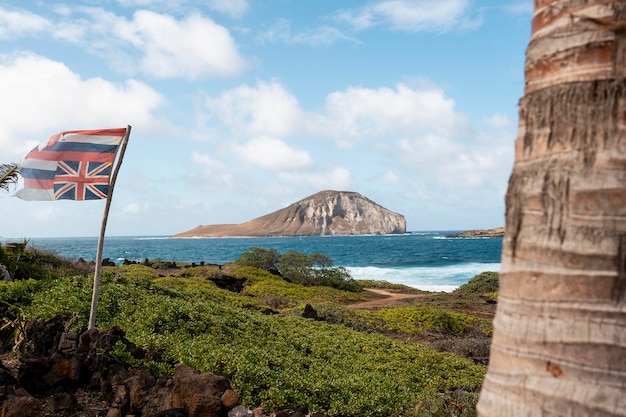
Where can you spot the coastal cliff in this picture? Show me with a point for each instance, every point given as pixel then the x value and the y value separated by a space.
pixel 326 213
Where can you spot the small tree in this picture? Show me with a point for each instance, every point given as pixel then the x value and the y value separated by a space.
pixel 300 268
pixel 266 259
pixel 295 267
pixel 338 277
pixel 321 260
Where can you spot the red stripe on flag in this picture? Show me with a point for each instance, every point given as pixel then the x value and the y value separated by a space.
pixel 81 179
pixel 71 156
pixel 38 183
pixel 98 132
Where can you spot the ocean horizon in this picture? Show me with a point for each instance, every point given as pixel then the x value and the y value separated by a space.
pixel 427 260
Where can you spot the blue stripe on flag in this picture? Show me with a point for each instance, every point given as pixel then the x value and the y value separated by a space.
pixel 81 147
pixel 41 174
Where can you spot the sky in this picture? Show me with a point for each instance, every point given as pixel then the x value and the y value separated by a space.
pixel 239 108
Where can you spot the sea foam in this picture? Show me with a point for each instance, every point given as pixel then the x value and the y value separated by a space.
pixel 443 278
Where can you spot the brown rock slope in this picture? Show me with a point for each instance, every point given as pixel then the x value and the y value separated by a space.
pixel 326 213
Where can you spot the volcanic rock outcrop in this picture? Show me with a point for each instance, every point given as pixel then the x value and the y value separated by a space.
pixel 327 213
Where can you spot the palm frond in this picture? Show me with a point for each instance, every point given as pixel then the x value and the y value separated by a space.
pixel 9 174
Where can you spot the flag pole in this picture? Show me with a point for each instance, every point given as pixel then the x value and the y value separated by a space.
pixel 97 272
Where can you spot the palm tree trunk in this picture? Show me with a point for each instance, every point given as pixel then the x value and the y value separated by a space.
pixel 559 343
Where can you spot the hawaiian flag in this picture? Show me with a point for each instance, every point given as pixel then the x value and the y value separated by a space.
pixel 72 165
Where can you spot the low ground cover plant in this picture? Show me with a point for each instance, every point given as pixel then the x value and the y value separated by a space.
pixel 274 361
pixel 346 367
pixel 413 320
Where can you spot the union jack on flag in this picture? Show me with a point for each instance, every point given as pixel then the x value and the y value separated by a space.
pixel 71 165
pixel 80 180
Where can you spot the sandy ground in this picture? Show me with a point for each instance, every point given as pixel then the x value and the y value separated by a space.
pixel 388 299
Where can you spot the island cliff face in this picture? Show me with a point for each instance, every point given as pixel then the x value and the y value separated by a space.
pixel 326 213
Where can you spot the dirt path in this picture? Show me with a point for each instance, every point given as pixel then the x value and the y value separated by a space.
pixel 389 298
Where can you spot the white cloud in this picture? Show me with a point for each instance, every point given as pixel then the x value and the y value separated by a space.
pixel 131 208
pixel 355 114
pixel 215 172
pixel 410 15
pixel 194 47
pixel 281 32
pixel 206 161
pixel 17 23
pixel 416 129
pixel 37 102
pixel 265 109
pixel 361 113
pixel 233 8
pixel 337 178
pixel 274 155
pixel 520 8
pixel 454 165
pixel 157 45
pixel 390 177
pixel 46 214
pixel 152 3
pixel 499 121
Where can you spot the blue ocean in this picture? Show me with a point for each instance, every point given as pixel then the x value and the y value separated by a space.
pixel 426 260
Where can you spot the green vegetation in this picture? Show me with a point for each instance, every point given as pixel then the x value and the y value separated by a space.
pixel 389 286
pixel 23 262
pixel 300 268
pixel 413 320
pixel 485 282
pixel 345 364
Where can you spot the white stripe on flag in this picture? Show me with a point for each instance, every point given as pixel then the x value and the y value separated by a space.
pixel 35 194
pixel 98 139
pixel 39 164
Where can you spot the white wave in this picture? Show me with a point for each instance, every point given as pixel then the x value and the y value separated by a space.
pixel 436 279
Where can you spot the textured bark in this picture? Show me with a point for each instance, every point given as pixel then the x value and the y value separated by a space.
pixel 559 344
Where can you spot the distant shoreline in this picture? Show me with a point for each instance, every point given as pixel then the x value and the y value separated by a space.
pixel 479 233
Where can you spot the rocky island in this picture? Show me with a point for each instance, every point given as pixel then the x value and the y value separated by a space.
pixel 327 213
pixel 497 232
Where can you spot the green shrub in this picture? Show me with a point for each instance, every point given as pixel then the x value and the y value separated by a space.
pixel 15 300
pixel 24 262
pixel 295 267
pixel 16 296
pixel 414 320
pixel 338 278
pixel 298 293
pixel 256 257
pixel 299 268
pixel 485 282
pixel 272 361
